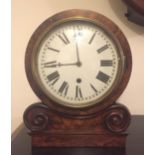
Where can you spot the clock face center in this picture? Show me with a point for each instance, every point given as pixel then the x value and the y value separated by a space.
pixel 79 64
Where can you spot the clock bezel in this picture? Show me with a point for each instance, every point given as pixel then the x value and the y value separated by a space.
pixel 50 95
pixel 102 22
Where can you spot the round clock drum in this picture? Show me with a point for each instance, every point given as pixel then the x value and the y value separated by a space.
pixel 78 62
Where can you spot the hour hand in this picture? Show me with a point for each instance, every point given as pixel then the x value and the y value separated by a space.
pixel 55 64
pixel 67 64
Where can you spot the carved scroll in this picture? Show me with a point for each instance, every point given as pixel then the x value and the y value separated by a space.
pixel 117 118
pixel 36 117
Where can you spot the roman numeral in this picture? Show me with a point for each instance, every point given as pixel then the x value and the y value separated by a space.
pixel 102 77
pixel 53 49
pixel 106 63
pixel 53 76
pixel 50 64
pixel 94 89
pixel 92 38
pixel 78 92
pixel 54 81
pixel 64 88
pixel 103 48
pixel 64 38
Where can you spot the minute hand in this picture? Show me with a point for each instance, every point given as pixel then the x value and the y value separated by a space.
pixel 78 57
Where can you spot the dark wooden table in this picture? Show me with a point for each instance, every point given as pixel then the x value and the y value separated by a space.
pixel 134 145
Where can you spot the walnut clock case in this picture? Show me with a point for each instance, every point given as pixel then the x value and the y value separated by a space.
pixel 78 62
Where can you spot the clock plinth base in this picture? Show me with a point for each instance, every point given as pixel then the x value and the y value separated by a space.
pixel 51 129
pixel 48 140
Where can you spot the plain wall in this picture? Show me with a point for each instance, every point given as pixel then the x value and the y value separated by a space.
pixel 27 15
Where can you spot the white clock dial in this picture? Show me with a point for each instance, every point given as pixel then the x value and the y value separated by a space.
pixel 78 64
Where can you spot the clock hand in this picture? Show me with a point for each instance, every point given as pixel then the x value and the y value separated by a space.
pixel 78 57
pixel 55 64
pixel 67 64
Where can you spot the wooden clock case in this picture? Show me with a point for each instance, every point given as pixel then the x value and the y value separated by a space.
pixel 101 125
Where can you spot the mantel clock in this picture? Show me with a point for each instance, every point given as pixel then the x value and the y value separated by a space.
pixel 78 62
